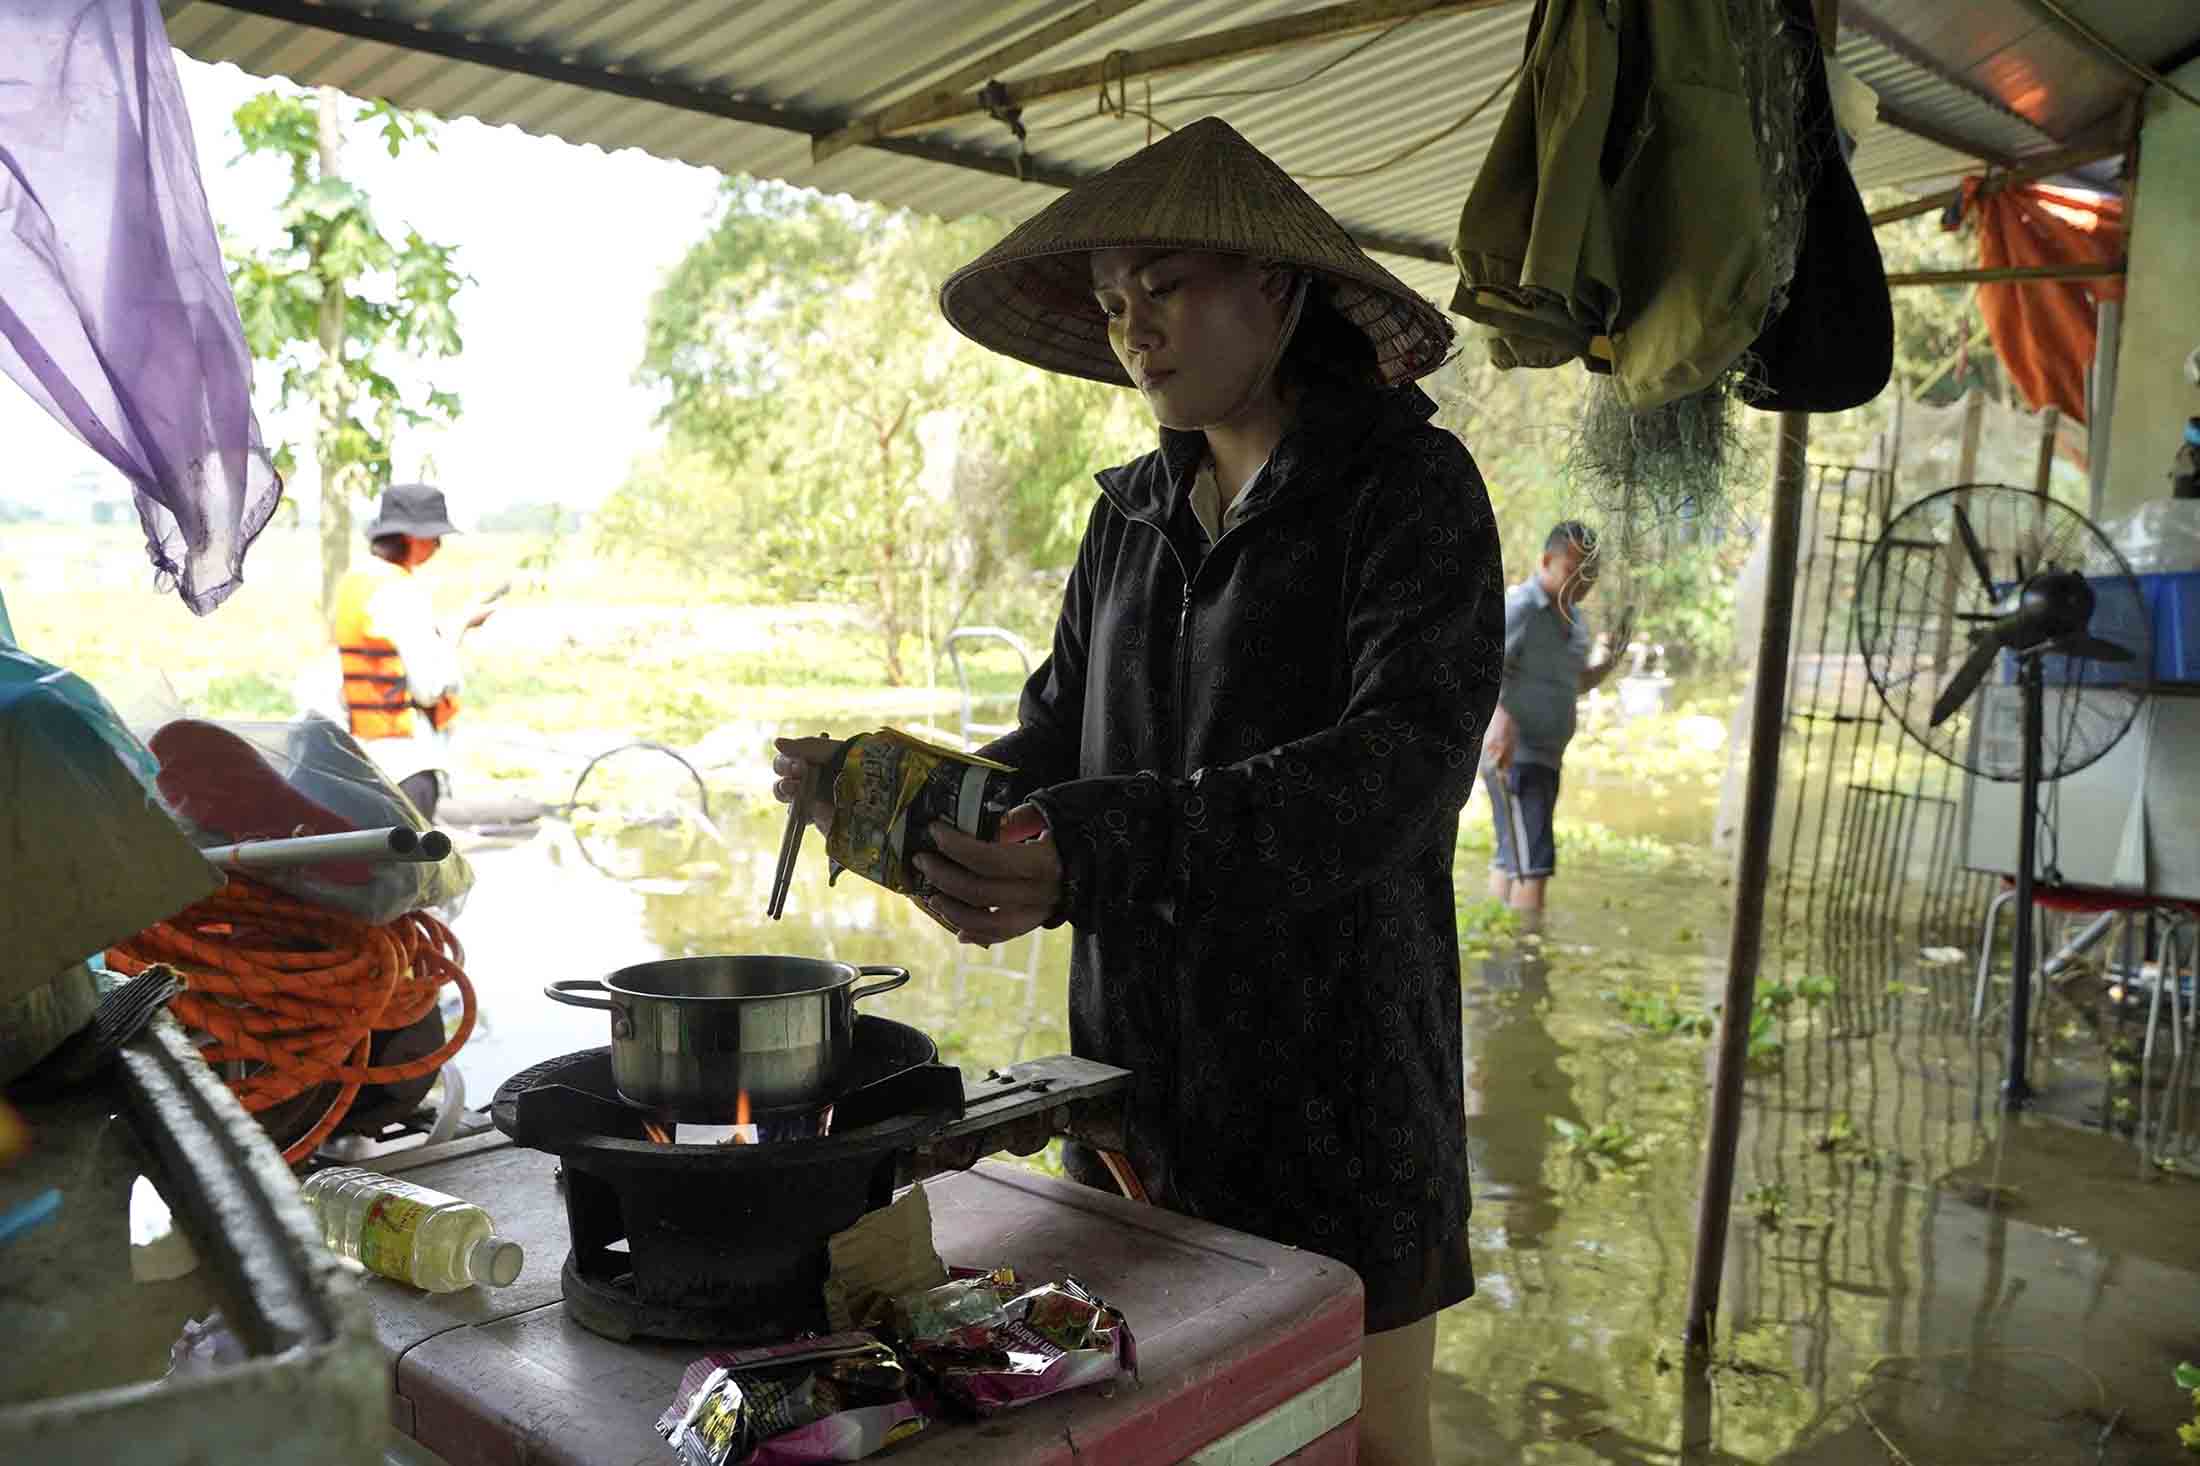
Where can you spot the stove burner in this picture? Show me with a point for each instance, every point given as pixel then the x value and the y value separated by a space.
pixel 722 1243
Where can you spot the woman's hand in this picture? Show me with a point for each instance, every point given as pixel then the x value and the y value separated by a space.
pixel 801 758
pixel 994 890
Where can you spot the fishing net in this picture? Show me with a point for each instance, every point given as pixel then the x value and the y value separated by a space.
pixel 1683 459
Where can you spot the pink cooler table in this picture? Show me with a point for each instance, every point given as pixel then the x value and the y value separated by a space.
pixel 1249 1351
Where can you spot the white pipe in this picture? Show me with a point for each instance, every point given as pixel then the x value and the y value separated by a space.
pixel 392 843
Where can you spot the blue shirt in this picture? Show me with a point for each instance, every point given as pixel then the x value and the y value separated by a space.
pixel 1545 656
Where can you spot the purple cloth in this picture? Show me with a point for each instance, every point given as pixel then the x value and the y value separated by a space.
pixel 115 312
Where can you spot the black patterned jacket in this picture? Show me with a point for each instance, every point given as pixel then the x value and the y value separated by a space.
pixel 1253 757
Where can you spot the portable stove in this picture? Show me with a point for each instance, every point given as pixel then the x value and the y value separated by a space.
pixel 727 1243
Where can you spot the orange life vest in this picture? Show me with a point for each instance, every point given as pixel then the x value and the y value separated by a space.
pixel 377 695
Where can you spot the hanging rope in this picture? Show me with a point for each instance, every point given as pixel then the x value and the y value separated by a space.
pixel 1115 66
pixel 1427 142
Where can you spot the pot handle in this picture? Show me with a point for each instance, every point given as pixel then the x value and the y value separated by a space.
pixel 566 992
pixel 895 977
pixel 622 1023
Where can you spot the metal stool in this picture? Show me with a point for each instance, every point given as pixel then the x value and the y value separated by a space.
pixel 2106 908
pixel 2162 1127
pixel 2179 924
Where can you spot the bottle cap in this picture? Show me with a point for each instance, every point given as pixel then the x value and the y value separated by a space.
pixel 496 1261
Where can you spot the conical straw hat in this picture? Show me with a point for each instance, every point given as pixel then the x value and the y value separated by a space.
pixel 1203 188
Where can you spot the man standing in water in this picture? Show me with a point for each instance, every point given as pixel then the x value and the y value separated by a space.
pixel 1547 670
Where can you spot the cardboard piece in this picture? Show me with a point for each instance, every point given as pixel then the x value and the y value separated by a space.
pixel 886 1254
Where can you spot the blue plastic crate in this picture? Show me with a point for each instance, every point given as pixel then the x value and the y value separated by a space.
pixel 2172 604
pixel 2176 602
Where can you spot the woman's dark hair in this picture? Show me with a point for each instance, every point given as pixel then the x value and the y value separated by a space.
pixel 390 547
pixel 1328 352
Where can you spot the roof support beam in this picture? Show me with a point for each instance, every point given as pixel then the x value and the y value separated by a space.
pixel 970 78
pixel 2062 160
pixel 2009 274
pixel 1278 34
pixel 1918 127
pixel 1067 178
pixel 498 56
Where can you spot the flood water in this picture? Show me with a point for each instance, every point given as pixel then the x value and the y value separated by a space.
pixel 1909 1277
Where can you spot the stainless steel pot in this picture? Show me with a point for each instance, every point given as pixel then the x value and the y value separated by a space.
pixel 690 1034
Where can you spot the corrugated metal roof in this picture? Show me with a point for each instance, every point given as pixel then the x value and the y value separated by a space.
pixel 2018 59
pixel 788 68
pixel 1909 92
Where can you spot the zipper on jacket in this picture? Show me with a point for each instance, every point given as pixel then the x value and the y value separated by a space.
pixel 1176 741
pixel 1183 624
pixel 1183 677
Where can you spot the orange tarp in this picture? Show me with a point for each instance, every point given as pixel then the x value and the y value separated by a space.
pixel 2044 330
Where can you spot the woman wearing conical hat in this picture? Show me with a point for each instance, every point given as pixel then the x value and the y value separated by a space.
pixel 1248 751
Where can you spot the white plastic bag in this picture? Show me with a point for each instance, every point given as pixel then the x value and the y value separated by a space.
pixel 2160 537
pixel 232 781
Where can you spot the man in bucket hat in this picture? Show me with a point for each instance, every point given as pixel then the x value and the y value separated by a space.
pixel 400 672
pixel 1246 756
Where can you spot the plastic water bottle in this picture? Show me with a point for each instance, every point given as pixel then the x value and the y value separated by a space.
pixel 406 1232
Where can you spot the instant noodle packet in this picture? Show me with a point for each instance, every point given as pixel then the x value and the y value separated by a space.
pixel 889 786
pixel 987 1346
pixel 958 1303
pixel 838 1398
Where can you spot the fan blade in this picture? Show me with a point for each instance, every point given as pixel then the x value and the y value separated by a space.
pixel 1972 548
pixel 2083 645
pixel 1966 681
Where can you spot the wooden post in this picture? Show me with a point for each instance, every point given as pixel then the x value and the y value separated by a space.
pixel 1893 493
pixel 1974 427
pixel 1745 941
pixel 1954 568
pixel 2043 468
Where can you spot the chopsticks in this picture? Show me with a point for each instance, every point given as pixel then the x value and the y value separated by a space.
pixel 790 845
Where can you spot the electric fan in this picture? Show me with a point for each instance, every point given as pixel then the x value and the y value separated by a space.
pixel 1982 586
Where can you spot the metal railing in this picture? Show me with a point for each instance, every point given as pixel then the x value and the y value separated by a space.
pixel 974 732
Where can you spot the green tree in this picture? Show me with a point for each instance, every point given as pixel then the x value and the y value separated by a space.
pixel 830 436
pixel 531 516
pixel 337 298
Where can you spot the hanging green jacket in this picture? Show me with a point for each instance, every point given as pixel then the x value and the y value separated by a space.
pixel 1622 198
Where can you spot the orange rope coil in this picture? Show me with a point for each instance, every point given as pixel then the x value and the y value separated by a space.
pixel 299 991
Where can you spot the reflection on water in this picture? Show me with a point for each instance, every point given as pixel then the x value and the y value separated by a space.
pixel 1516 1085
pixel 546 909
pixel 1903 1268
